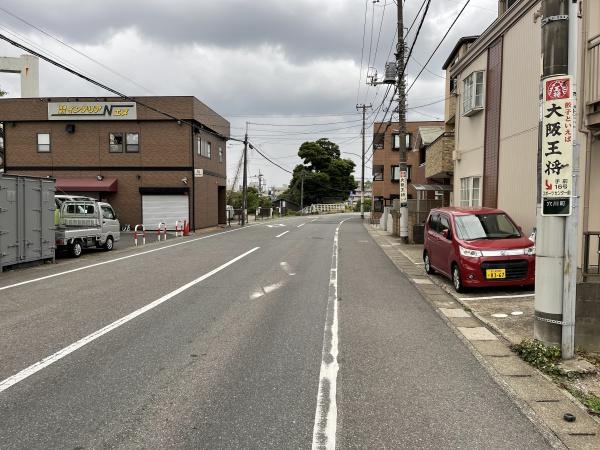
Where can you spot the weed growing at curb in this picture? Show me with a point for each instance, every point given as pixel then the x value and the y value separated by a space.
pixel 591 401
pixel 539 355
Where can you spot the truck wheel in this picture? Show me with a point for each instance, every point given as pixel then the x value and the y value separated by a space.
pixel 76 249
pixel 108 245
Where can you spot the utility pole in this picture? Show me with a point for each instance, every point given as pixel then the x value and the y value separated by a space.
pixel 362 178
pixel 302 193
pixel 401 87
pixel 556 246
pixel 572 221
pixel 245 178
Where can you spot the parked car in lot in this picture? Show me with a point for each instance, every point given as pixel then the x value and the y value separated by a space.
pixel 86 223
pixel 478 247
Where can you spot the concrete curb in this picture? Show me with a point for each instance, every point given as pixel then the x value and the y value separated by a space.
pixel 504 369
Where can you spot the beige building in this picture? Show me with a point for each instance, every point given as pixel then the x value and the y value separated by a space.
pixel 493 105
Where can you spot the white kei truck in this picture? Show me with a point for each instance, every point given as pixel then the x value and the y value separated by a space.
pixel 85 223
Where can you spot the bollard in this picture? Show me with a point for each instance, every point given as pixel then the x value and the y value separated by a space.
pixel 136 234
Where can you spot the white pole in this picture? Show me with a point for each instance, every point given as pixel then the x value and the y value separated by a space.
pixel 572 221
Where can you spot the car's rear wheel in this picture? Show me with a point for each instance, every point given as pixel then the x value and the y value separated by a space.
pixel 427 262
pixel 76 249
pixel 456 280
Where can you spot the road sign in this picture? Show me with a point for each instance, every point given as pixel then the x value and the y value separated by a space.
pixel 558 113
pixel 403 188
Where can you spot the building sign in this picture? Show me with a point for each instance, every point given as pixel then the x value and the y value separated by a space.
pixel 403 188
pixel 198 173
pixel 92 111
pixel 558 112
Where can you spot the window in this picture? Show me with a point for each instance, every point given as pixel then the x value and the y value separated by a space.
pixel 43 142
pixel 486 226
pixel 107 213
pixel 408 173
pixel 377 173
pixel 395 141
pixel 133 142
pixel 378 140
pixel 202 147
pixel 434 222
pixel 115 144
pixel 422 156
pixel 444 225
pixel 473 93
pixel 408 138
pixel 220 154
pixel 470 191
pixel 78 208
pixel 395 173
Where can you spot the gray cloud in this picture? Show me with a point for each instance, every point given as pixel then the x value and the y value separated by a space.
pixel 243 58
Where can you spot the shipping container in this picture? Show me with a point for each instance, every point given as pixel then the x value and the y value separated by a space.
pixel 27 231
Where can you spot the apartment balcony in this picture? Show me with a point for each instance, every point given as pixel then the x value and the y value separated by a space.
pixel 592 97
pixel 439 157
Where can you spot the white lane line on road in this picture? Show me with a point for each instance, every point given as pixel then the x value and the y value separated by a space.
pixel 110 261
pixel 493 297
pixel 285 232
pixel 326 414
pixel 301 225
pixel 11 381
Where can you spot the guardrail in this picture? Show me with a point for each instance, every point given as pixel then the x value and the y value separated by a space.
pixel 136 232
pixel 324 208
pixel 591 254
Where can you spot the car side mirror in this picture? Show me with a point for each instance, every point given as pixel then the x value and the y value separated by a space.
pixel 446 233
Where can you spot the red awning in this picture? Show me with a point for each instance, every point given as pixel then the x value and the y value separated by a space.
pixel 86 185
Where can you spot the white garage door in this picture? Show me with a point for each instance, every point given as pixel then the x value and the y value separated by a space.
pixel 164 208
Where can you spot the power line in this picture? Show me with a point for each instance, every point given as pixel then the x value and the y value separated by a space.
pixel 74 49
pixel 107 88
pixel 362 51
pixel 438 46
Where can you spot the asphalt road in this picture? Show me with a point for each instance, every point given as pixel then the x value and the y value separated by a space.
pixel 219 343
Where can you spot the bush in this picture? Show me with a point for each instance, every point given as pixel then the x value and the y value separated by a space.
pixel 539 355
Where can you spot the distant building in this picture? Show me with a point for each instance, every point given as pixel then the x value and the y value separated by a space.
pixel 150 167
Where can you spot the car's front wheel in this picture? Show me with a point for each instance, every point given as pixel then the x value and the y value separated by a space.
pixel 108 245
pixel 456 280
pixel 427 263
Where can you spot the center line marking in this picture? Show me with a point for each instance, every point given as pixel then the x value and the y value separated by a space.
pixel 285 232
pixel 36 367
pixel 326 414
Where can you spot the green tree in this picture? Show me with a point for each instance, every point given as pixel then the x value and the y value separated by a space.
pixel 254 200
pixel 326 175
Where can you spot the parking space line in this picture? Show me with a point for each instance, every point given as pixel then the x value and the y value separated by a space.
pixel 492 297
pixel 285 232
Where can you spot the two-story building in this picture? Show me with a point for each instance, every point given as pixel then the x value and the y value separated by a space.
pixel 152 167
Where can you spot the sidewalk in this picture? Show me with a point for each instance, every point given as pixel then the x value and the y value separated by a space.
pixel 489 321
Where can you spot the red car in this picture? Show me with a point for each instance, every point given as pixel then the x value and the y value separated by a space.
pixel 478 247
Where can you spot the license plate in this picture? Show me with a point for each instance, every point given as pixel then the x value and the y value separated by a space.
pixel 492 274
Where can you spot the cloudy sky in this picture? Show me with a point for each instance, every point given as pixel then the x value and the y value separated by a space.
pixel 292 68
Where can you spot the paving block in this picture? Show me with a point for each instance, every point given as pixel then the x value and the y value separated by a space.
pixel 466 322
pixel 535 388
pixel 581 442
pixel 487 348
pixel 551 413
pixel 445 304
pixel 511 366
pixel 454 312
pixel 477 334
